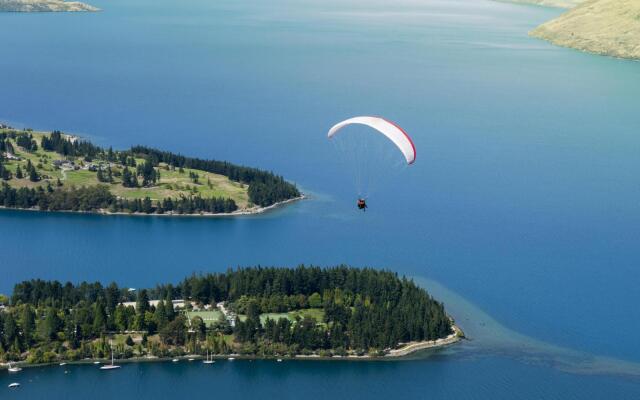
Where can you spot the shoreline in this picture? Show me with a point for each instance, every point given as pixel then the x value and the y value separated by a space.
pixel 412 347
pixel 256 210
pixel 395 355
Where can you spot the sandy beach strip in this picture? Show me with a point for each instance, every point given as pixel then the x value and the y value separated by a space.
pixel 412 347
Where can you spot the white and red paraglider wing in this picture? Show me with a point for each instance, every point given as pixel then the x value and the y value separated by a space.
pixel 389 129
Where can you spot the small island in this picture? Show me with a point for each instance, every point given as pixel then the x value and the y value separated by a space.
pixel 303 312
pixel 44 6
pixel 58 172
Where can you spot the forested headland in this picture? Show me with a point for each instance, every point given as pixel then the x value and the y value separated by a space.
pixel 58 172
pixel 262 312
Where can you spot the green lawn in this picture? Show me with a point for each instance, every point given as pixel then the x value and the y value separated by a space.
pixel 209 317
pixel 121 338
pixel 81 178
pixel 316 313
pixel 175 184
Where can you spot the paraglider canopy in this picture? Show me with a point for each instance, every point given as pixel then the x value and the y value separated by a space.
pixel 387 128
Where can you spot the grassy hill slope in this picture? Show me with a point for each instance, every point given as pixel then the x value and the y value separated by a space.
pixel 606 27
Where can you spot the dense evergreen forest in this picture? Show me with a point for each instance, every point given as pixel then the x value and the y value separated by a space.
pixel 357 311
pixel 264 188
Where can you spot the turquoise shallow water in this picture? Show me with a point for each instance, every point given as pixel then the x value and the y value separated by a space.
pixel 524 198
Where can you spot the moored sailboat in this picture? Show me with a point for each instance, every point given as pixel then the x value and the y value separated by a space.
pixel 208 360
pixel 14 369
pixel 112 365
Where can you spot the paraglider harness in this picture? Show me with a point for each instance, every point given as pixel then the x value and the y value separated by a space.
pixel 362 205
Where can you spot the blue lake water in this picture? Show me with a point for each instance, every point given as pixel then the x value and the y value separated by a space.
pixel 522 210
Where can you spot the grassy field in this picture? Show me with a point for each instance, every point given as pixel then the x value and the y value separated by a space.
pixel 172 183
pixel 316 313
pixel 121 338
pixel 209 317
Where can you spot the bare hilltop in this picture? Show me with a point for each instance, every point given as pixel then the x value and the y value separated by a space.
pixel 606 27
pixel 43 6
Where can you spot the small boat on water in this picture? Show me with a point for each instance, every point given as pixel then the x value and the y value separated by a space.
pixel 62 364
pixel 175 360
pixel 112 365
pixel 14 369
pixel 14 385
pixel 96 362
pixel 190 359
pixel 279 360
pixel 208 360
pixel 231 358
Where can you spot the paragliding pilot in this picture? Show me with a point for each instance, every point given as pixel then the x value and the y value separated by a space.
pixel 357 151
pixel 362 205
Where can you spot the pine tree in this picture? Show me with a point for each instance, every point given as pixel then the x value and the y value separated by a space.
pixel 160 315
pixel 120 318
pixel 129 179
pixel 5 174
pixel 171 314
pixel 10 328
pixel 27 324
pixel 142 302
pixel 147 206
pixel 33 175
pixel 51 324
pixel 99 319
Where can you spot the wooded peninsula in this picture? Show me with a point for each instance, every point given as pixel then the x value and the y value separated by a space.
pixel 261 312
pixel 59 172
